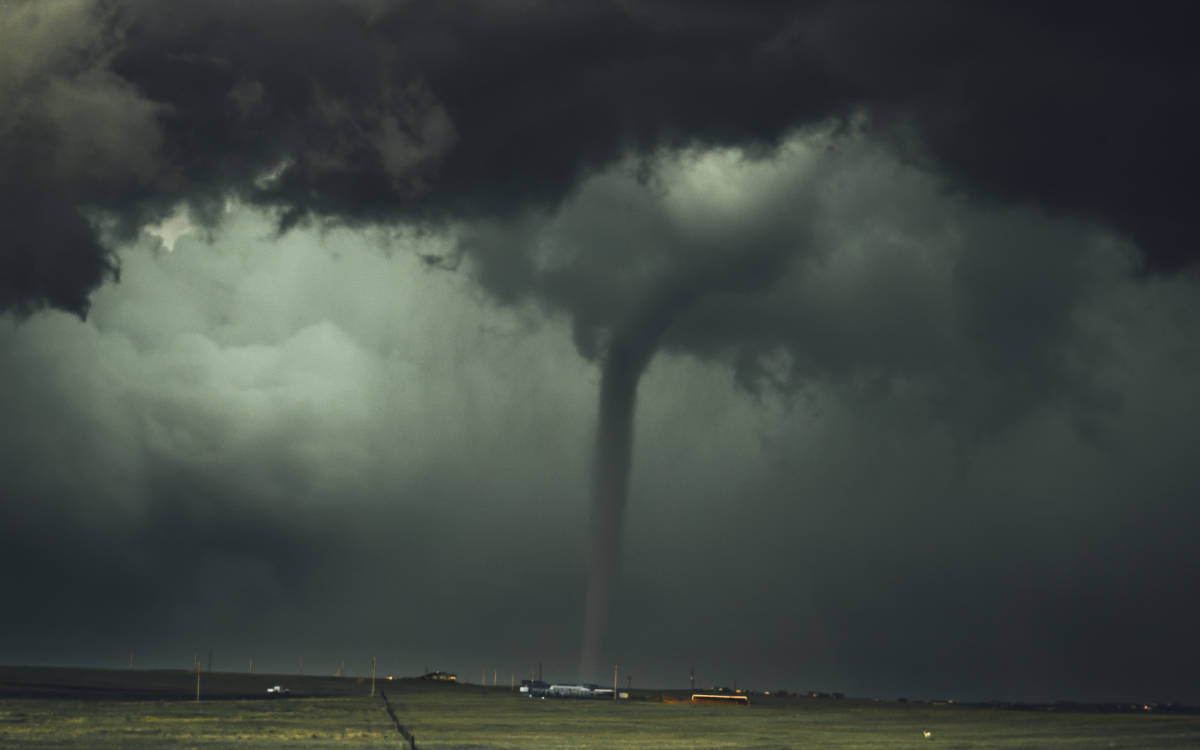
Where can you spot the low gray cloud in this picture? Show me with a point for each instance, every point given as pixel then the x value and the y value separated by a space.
pixel 882 277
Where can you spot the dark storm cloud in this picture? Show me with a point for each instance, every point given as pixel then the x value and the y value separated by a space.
pixel 1079 108
pixel 373 111
pixel 908 233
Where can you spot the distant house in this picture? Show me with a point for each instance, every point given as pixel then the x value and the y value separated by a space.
pixel 438 675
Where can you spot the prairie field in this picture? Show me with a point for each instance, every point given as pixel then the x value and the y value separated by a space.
pixel 44 708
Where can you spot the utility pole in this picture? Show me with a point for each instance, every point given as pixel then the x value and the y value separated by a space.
pixel 251 665
pixel 372 676
pixel 131 658
pixel 614 682
pixel 493 678
pixel 196 666
pixel 692 678
pixel 512 681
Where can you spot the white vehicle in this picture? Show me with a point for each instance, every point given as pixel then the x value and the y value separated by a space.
pixel 277 690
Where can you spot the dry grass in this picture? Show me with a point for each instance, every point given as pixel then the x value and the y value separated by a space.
pixel 478 721
pixel 338 713
pixel 309 722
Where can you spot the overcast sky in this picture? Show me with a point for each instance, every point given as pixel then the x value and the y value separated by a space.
pixel 305 309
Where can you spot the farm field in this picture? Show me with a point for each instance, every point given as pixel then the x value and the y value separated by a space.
pixel 101 709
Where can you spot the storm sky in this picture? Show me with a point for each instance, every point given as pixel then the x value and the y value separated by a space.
pixel 305 309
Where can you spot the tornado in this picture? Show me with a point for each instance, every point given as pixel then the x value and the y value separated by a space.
pixel 630 350
pixel 629 353
pixel 610 493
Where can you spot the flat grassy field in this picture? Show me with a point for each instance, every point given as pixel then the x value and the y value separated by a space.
pixel 99 709
pixel 101 724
